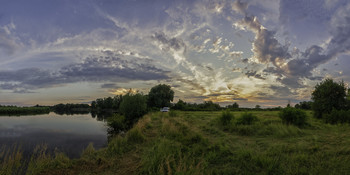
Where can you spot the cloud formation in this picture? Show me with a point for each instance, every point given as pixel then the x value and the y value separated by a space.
pixel 93 69
pixel 8 44
pixel 288 67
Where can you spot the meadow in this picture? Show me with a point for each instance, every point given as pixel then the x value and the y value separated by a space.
pixel 181 142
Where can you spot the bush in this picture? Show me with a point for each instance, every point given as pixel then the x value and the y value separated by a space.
pixel 337 116
pixel 293 116
pixel 246 119
pixel 117 123
pixel 133 107
pixel 226 117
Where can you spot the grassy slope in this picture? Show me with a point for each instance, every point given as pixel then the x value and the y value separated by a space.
pixel 196 143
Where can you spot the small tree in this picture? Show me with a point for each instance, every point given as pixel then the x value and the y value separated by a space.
pixel 180 105
pixel 233 106
pixel 160 96
pixel 328 95
pixel 133 107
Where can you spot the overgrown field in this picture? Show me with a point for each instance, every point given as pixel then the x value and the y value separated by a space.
pixel 200 143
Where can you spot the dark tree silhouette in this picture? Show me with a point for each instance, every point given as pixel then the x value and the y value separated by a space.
pixel 328 95
pixel 160 96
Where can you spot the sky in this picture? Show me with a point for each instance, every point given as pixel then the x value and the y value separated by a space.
pixel 266 52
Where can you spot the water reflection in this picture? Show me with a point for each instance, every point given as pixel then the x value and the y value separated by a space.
pixel 101 116
pixel 67 133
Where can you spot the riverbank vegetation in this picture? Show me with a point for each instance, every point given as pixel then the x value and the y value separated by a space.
pixel 198 143
pixel 15 110
pixel 71 109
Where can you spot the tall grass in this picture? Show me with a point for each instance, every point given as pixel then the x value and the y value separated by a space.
pixel 197 143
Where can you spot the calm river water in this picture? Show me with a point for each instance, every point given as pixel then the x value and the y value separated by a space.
pixel 66 133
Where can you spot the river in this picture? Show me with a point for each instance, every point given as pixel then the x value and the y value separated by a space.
pixel 65 133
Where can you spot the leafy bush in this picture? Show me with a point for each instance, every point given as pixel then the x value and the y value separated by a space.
pixel 246 119
pixel 133 107
pixel 293 116
pixel 226 117
pixel 117 123
pixel 337 116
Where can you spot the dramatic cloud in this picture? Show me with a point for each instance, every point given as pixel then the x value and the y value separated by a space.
pixel 340 42
pixel 288 66
pixel 256 51
pixel 91 69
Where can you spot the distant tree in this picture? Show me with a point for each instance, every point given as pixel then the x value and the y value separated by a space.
pixel 210 106
pixel 108 103
pixel 93 104
pixel 180 105
pixel 328 95
pixel 160 96
pixel 233 106
pixel 117 101
pixel 307 105
pixel 257 106
pixel 133 106
pixel 100 103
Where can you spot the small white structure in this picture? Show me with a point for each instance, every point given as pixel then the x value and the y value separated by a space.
pixel 164 109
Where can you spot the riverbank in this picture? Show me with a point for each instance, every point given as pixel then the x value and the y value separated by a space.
pixel 196 143
pixel 14 110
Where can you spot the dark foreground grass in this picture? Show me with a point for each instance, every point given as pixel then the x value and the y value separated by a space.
pixel 198 143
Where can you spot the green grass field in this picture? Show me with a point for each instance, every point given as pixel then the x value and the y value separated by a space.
pixel 198 143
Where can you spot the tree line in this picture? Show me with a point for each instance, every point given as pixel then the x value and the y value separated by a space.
pixel 15 110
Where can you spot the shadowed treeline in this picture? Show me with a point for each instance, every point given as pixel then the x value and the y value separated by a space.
pixel 14 110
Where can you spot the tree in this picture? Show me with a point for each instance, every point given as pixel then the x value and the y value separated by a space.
pixel 257 106
pixel 160 96
pixel 233 106
pixel 93 104
pixel 116 101
pixel 328 95
pixel 307 105
pixel 180 105
pixel 108 102
pixel 133 107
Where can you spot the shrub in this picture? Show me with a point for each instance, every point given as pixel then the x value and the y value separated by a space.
pixel 337 116
pixel 133 107
pixel 116 123
pixel 246 119
pixel 293 116
pixel 226 117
